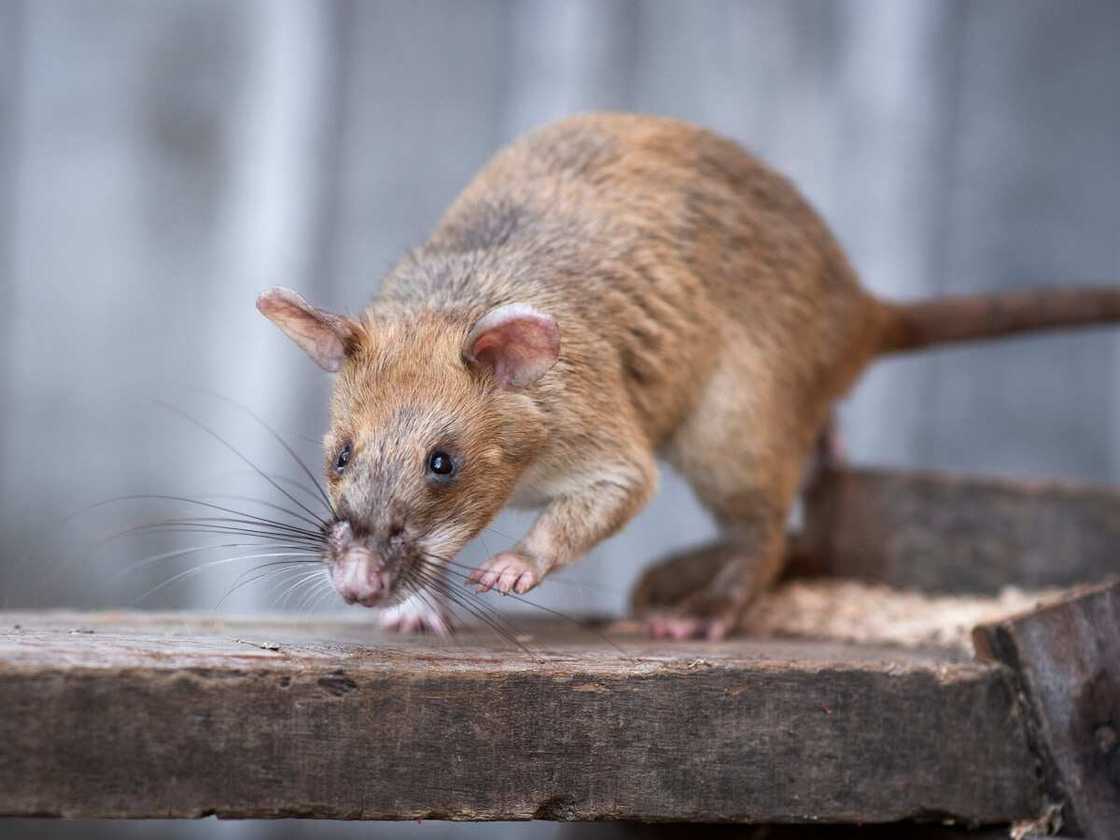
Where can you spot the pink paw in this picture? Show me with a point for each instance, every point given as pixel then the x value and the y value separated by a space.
pixel 677 626
pixel 414 615
pixel 507 572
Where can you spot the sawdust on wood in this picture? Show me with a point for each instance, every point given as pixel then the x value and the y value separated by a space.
pixel 853 611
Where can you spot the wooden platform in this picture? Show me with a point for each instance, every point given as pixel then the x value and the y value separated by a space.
pixel 877 712
pixel 119 715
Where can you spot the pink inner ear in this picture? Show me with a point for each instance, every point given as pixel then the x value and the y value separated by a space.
pixel 320 334
pixel 516 343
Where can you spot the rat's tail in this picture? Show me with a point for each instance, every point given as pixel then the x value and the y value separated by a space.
pixel 912 326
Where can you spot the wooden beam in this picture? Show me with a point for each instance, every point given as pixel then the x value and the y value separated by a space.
pixel 118 715
pixel 1067 658
pixel 949 533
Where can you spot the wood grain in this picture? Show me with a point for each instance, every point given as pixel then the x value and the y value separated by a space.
pixel 115 715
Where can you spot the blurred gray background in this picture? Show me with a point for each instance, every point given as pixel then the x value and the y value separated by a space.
pixel 162 162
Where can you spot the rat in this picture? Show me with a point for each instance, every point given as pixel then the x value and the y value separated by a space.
pixel 609 290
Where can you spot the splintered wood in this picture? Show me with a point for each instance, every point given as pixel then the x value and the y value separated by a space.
pixel 1066 657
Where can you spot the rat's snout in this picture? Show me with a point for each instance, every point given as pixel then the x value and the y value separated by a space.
pixel 361 573
pixel 359 577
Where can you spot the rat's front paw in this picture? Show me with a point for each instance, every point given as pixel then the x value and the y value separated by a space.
pixel 507 572
pixel 416 615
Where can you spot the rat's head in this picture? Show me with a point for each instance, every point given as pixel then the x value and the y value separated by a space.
pixel 430 429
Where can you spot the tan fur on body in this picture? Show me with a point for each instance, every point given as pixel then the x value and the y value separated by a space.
pixel 705 314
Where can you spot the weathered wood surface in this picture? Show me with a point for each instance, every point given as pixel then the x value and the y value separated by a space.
pixel 118 715
pixel 1067 658
pixel 948 533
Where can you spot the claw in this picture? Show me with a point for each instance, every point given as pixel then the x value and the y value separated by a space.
pixel 507 573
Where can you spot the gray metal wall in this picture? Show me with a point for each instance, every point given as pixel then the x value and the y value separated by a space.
pixel 162 162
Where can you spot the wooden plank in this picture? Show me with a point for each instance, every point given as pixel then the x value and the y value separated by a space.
pixel 117 715
pixel 1067 658
pixel 950 533
pixel 908 831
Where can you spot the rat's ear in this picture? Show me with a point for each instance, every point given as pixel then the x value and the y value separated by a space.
pixel 516 343
pixel 324 336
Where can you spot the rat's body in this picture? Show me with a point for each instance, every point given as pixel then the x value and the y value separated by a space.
pixel 610 289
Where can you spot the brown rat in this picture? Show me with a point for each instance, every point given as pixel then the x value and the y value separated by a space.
pixel 609 289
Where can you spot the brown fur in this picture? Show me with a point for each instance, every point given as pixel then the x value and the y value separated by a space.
pixel 706 314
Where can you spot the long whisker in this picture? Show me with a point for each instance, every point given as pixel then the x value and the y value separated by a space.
pixel 239 454
pixel 217 525
pixel 217 530
pixel 552 579
pixel 299 485
pixel 251 575
pixel 183 552
pixel 432 603
pixel 284 530
pixel 313 588
pixel 263 503
pixel 263 538
pixel 164 497
pixel 325 592
pixel 484 613
pixel 279 572
pixel 270 564
pixel 235 522
pixel 274 576
pixel 314 592
pixel 295 587
pixel 286 480
pixel 501 534
pixel 471 609
pixel 262 528
pixel 250 520
pixel 523 600
pixel 203 567
pixel 279 439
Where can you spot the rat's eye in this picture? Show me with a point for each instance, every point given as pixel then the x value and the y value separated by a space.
pixel 439 463
pixel 342 459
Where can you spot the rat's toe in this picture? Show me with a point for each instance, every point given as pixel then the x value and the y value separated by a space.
pixel 524 583
pixel 679 626
pixel 508 573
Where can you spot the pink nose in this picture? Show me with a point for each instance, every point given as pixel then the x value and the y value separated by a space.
pixel 358 578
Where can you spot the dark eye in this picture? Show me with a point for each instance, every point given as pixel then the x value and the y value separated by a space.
pixel 439 463
pixel 342 459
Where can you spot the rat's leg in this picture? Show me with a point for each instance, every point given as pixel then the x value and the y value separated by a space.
pixel 596 506
pixel 423 611
pixel 671 582
pixel 746 471
pixel 704 592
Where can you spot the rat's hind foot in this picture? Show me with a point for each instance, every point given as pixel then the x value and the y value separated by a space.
pixel 711 612
pixel 507 572
pixel 681 625
pixel 669 583
pixel 417 615
pixel 697 594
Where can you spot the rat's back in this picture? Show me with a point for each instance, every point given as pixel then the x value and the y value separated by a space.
pixel 609 289
pixel 659 247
